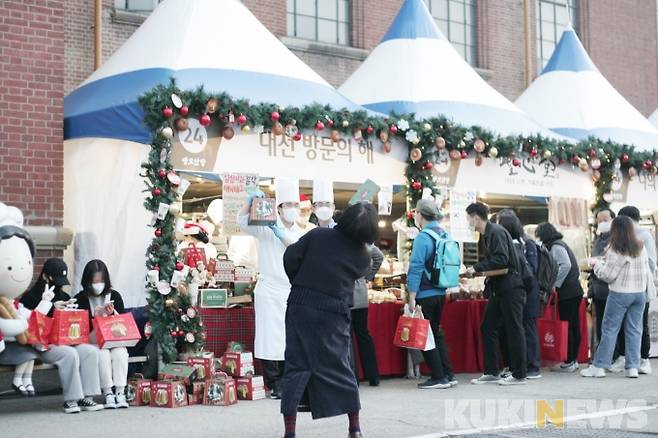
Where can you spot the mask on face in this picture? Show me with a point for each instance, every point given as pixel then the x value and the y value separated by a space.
pixel 324 213
pixel 290 215
pixel 369 246
pixel 603 228
pixel 98 288
pixel 471 225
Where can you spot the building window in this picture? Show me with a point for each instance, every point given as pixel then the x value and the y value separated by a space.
pixel 457 19
pixel 320 20
pixel 552 17
pixel 136 5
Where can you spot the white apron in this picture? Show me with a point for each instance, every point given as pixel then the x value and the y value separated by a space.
pixel 271 293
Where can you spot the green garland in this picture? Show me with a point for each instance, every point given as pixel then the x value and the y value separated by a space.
pixel 161 252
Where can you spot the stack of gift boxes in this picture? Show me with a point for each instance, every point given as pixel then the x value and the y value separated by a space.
pixel 241 366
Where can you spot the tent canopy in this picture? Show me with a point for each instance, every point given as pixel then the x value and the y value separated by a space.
pixel 217 44
pixel 653 118
pixel 572 98
pixel 415 69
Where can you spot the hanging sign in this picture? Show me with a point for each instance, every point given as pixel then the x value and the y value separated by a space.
pixel 459 229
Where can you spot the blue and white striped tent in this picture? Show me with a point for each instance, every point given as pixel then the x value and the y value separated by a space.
pixel 572 98
pixel 415 69
pixel 218 44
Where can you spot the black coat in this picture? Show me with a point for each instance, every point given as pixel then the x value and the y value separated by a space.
pixel 500 254
pixel 598 289
pixel 322 266
pixel 32 297
pixel 532 306
pixel 83 303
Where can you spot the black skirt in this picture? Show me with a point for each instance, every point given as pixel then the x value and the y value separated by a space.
pixel 318 345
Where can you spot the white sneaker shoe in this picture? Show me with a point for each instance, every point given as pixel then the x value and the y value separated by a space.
pixel 592 371
pixel 486 379
pixel 511 380
pixel 565 367
pixel 645 366
pixel 122 403
pixel 633 373
pixel 110 401
pixel 619 365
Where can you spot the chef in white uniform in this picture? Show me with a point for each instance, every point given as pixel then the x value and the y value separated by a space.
pixel 273 287
pixel 323 203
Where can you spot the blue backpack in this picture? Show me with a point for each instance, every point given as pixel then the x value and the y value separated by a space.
pixel 447 261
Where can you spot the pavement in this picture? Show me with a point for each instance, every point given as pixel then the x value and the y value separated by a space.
pixel 615 406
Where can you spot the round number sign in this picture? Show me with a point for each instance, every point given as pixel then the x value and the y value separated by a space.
pixel 194 138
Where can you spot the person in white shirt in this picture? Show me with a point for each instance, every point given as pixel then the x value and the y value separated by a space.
pixel 323 203
pixel 273 287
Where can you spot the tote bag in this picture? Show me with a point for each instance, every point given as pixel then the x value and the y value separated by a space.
pixel 553 333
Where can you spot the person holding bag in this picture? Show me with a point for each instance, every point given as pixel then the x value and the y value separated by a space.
pixel 625 268
pixel 99 299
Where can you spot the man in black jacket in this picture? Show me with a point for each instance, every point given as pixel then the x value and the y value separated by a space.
pixel 507 297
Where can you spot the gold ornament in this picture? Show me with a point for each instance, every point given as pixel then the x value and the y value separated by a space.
pixel 653 170
pixel 335 135
pixel 245 129
pixel 478 145
pixel 440 143
pixel 462 144
pixel 167 133
pixel 181 124
pixel 493 152
pixel 416 154
pixel 277 129
pixel 455 155
pixel 212 105
pixel 415 141
pixel 169 303
pixel 547 154
pixel 228 133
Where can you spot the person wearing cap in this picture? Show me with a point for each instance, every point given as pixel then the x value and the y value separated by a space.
pixel 273 287
pixel 430 298
pixel 305 212
pixel 323 203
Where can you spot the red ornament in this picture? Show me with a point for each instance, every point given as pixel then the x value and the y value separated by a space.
pixel 648 164
pixel 319 126
pixel 592 153
pixel 330 123
pixel 184 110
pixel 370 129
pixel 429 165
pixel 242 119
pixel 410 215
pixel 174 333
pixel 167 112
pixel 156 267
pixel 180 266
pixel 275 116
pixel 416 185
pixel 625 158
pixel 516 162
pixel 158 232
pixel 464 155
pixel 181 333
pixel 297 136
pixel 393 129
pixel 575 160
pixel 204 120
pixel 157 192
pixel 162 173
pixel 533 152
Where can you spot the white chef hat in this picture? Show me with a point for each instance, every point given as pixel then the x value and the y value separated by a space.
pixel 323 191
pixel 10 216
pixel 287 190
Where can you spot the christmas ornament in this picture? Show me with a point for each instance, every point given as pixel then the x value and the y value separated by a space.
pixel 167 133
pixel 297 136
pixel 173 178
pixel 181 333
pixel 164 154
pixel 169 302
pixel 190 338
pixel 245 129
pixel 291 129
pixel 648 164
pixel 403 124
pixel 393 129
pixel 148 329
pixel 427 127
pixel 277 128
pixel 212 105
pixel 191 312
pixel 582 164
pixel 158 232
pixel 175 209
pixel 275 116
pixel 204 120
pixel 415 154
pixel 180 266
pixel 479 160
pixel 547 154
pixel 181 124
pixel 455 155
pixel 592 153
pixel 464 155
pixel 533 152
pixel 416 185
pixel 596 176
pixel 440 143
pixel 478 145
pixel 319 126
pixel 162 173
pixel 428 165
pixel 493 152
pixel 632 172
pixel 174 333
pixel 330 122
pixel 576 160
pixel 156 267
pixel 228 133
pixel 242 119
pixel 653 170
pixel 176 101
pixel 625 158
pixel 202 334
pixel 462 144
pixel 184 110
pixel 167 112
pixel 345 123
pixel 411 136
pixel 335 135
pixel 383 135
pixel 595 163
pixel 410 215
pixel 157 192
pixel 163 287
pixel 387 147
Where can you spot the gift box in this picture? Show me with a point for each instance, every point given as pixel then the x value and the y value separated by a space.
pixel 263 212
pixel 183 373
pixel 238 364
pixel 194 399
pixel 205 366
pixel 212 266
pixel 169 394
pixel 197 388
pixel 225 270
pixel 220 391
pixel 193 255
pixel 244 274
pixel 70 327
pixel 38 329
pixel 116 331
pixel 250 388
pixel 138 392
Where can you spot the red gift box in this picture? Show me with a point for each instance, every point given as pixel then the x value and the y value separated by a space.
pixel 220 391
pixel 116 331
pixel 197 388
pixel 38 329
pixel 205 366
pixel 553 333
pixel 238 364
pixel 411 332
pixel 70 327
pixel 194 399
pixel 169 394
pixel 250 388
pixel 138 392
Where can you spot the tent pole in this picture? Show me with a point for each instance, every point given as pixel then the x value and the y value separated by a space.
pixel 98 44
pixel 528 44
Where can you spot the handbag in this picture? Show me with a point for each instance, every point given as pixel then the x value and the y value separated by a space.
pixel 193 255
pixel 553 333
pixel 38 329
pixel 413 331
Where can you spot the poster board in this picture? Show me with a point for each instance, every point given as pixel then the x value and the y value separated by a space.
pixel 459 229
pixel 236 187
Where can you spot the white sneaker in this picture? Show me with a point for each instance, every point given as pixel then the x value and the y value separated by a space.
pixel 632 373
pixel 486 379
pixel 619 365
pixel 511 380
pixel 565 367
pixel 110 401
pixel 592 371
pixel 645 366
pixel 122 403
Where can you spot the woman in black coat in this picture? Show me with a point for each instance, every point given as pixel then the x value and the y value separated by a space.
pixel 322 267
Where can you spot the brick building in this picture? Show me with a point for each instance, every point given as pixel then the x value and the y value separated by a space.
pixel 48 48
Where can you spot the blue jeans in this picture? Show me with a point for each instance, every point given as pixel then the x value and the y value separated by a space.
pixel 626 308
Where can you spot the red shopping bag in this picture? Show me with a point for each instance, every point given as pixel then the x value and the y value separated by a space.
pixel 413 331
pixel 116 331
pixel 38 329
pixel 553 333
pixel 193 255
pixel 70 327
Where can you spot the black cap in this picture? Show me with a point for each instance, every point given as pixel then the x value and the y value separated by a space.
pixel 57 270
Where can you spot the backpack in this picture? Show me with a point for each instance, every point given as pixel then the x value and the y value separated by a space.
pixel 447 261
pixel 524 268
pixel 546 273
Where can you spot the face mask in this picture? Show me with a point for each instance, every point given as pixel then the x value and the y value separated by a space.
pixel 290 215
pixel 324 213
pixel 471 226
pixel 603 228
pixel 369 246
pixel 98 288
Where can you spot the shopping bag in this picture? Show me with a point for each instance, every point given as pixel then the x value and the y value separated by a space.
pixel 38 329
pixel 116 331
pixel 553 333
pixel 70 327
pixel 413 331
pixel 193 255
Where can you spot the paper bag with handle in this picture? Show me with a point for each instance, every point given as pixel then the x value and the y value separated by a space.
pixel 413 331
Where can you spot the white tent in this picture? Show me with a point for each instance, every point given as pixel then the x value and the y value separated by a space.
pixel 572 98
pixel 415 69
pixel 653 118
pixel 218 44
